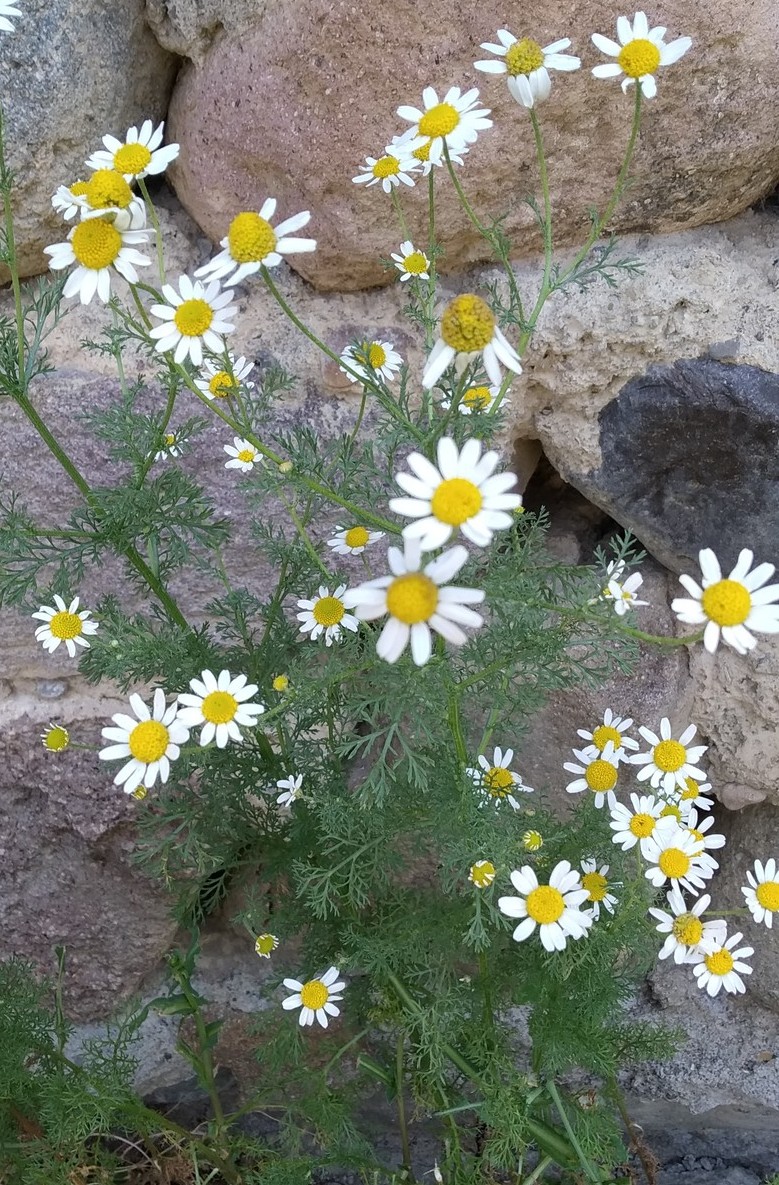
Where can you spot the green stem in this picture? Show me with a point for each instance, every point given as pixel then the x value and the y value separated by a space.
pixel 650 1168
pixel 398 208
pixel 10 251
pixel 540 1168
pixel 154 220
pixel 590 1172
pixel 484 973
pixel 455 728
pixel 304 537
pixel 207 1068
pixel 659 639
pixel 544 177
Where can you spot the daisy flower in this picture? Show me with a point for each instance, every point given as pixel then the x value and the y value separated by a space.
pixel 532 841
pixel 326 614
pixel 613 728
pixel 417 601
pixel 462 492
pixel 220 705
pixel 394 167
pixel 243 454
pixel 762 895
pixel 171 447
pixel 730 606
pixel 554 908
pixel 594 880
pixel 456 121
pixel 693 795
pixel 527 65
pixel 98 247
pixel 316 997
pixel 218 383
pixel 6 10
pixel 497 780
pixel 68 199
pixel 138 155
pixel 482 874
pixel 635 826
pixel 639 53
pixel 598 773
pixel 669 763
pixel 291 789
pixel 676 856
pixel 55 738
pixel 151 741
pixel 721 966
pixel 477 400
pixel 265 944
pixel 468 332
pixel 107 192
pixel 419 156
pixel 63 623
pixel 623 594
pixel 353 540
pixel 195 316
pixel 412 264
pixel 252 243
pixel 684 927
pixel 700 828
pixel 368 359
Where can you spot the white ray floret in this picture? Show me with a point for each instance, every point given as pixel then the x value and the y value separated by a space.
pixel 291 789
pixel 7 9
pixel 469 332
pixel 251 243
pixel 730 606
pixel 762 892
pixel 639 52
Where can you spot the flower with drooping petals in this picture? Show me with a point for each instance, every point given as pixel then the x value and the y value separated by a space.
pixel 527 65
pixel 291 789
pixel 469 331
pixel 252 243
pixel 455 121
pixel 353 540
pixel 369 359
pixel 55 738
pixel 411 263
pixel 639 53
pixel 730 606
pixel 496 780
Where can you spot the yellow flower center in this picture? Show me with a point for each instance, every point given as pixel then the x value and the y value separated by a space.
pixel 477 398
pixel 639 57
pixel 96 243
pixel 78 188
pixel 250 238
pixel 56 739
pixel 246 454
pixel 415 263
pixel 139 793
pixel 222 384
pixel 193 317
pixel 720 963
pixel 65 625
pixel 671 810
pixel 669 756
pixel 386 166
pixel 356 537
pixel 688 929
pixel 545 904
pixel 132 158
pixel 169 438
pixel 148 741
pixel 106 188
pixel 601 776
pixel 727 602
pixel 423 152
pixel 641 825
pixel 376 355
pixel 439 120
pixel 674 863
pixel 265 944
pixel 696 834
pixel 483 874
pixel 532 841
pixel 523 57
pixel 455 501
pixel 605 733
pixel 219 706
pixel 412 598
pixel 498 781
pixel 328 611
pixel 281 683
pixel 467 324
pixel 691 790
pixel 595 884
pixel 314 994
pixel 767 894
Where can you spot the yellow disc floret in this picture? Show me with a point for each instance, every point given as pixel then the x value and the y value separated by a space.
pixel 532 841
pixel 467 324
pixel 386 166
pixel 477 398
pixel 222 385
pixel 691 790
pixel 596 885
pixel 423 152
pixel 601 776
pixel 440 120
pixel 605 733
pixel 376 355
pixel 674 863
pixel 132 158
pixel 96 243
pixel 250 238
pixel 671 810
pixel 356 537
pixel 219 706
pixel 415 263
pixel 78 188
pixel 482 874
pixel 148 741
pixel 455 501
pixel 545 905
pixel 265 944
pixel 727 602
pixel 65 625
pixel 108 190
pixel 56 739
pixel 412 598
pixel 314 994
pixel 498 780
pixel 246 454
pixel 669 756
pixel 523 57
pixel 281 683
pixel 328 611
pixel 688 929
pixel 720 963
pixel 641 825
pixel 193 317
pixel 639 57
pixel 767 895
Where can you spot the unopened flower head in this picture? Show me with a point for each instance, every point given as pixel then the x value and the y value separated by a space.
pixel 482 874
pixel 720 965
pixel 496 780
pixel 64 624
pixel 220 383
pixel 98 247
pixel 685 928
pixel 469 331
pixel 730 606
pixel 243 455
pixel 221 704
pixel 55 738
pixel 639 53
pixel 526 65
pixel 532 841
pixel 478 401
pixel 265 944
pixel 635 826
pixel 146 743
pixel 281 683
pixel 326 614
pixel 291 789
pixel 195 317
pixel 369 359
pixel 411 263
pixel 7 9
pixel 316 997
pixel 598 773
pixel 395 167
pixel 669 762
pixel 762 892
pixel 595 881
pixel 455 121
pixel 353 540
pixel 675 856
pixel 252 243
pixel 612 728
pixel 554 908
pixel 140 153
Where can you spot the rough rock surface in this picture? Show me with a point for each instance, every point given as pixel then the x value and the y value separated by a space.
pixel 251 116
pixel 71 73
pixel 188 27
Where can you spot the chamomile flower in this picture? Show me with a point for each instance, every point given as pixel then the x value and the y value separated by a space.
pixel 417 601
pixel 220 704
pixel 395 167
pixel 477 401
pixel 721 966
pixel 700 828
pixel 69 199
pixel 417 148
pixel 554 908
pixel 218 383
pixel 455 121
pixel 496 780
pixel 280 683
pixel 265 944
pixel 762 894
pixel 107 192
pixel 532 841
pixel 595 881
pixel 613 728
pixel 598 773
pixel 6 10
pixel 464 491
pixel 326 614
pixel 196 316
pixel 291 789
pixel 468 332
pixel 527 65
pixel 694 795
pixel 151 741
pixel 684 927
pixel 411 263
pixel 730 606
pixel 482 874
pixel 316 997
pixel 639 53
pixel 369 359
pixel 353 540
pixel 675 855
pixel 140 153
pixel 252 243
pixel 171 447
pixel 64 623
pixel 55 738
pixel 669 763
pixel 98 247
pixel 243 455
pixel 635 826
pixel 623 593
